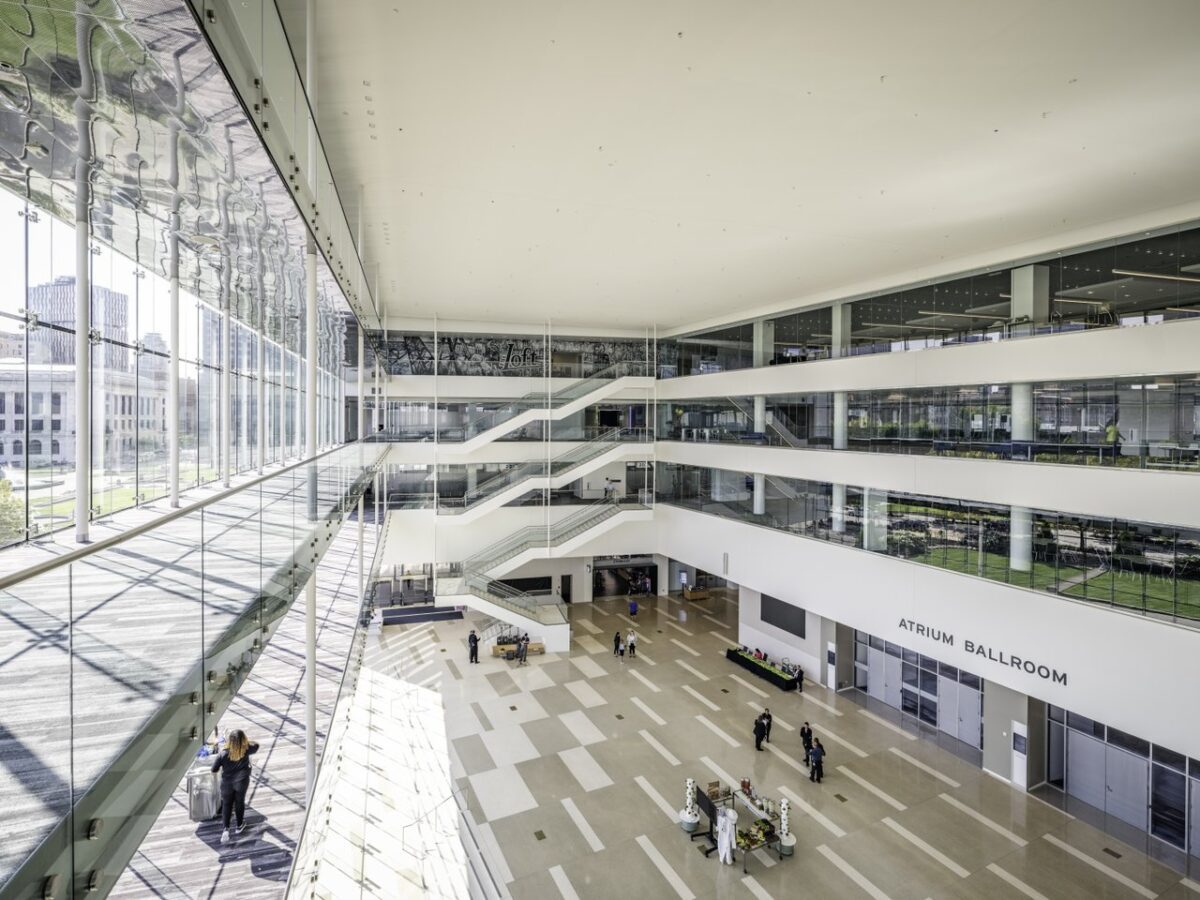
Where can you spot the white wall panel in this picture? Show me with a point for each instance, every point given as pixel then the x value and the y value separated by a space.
pixel 1102 353
pixel 1124 670
pixel 756 634
pixel 1139 496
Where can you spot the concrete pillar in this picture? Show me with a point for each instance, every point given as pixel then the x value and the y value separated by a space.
pixel 84 24
pixel 837 513
pixel 1021 417
pixel 472 477
pixel 760 482
pixel 839 330
pixel 1030 289
pixel 763 339
pixel 1020 539
pixel 173 348
pixel 875 505
pixel 362 397
pixel 662 565
pixel 841 423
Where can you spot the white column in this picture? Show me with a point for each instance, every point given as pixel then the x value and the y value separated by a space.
pixel 310 425
pixel 760 481
pixel 362 586
pixel 362 397
pixel 226 397
pixel 1030 290
pixel 840 424
pixel 472 477
pixel 837 514
pixel 173 342
pixel 875 504
pixel 1020 539
pixel 763 340
pixel 83 291
pixel 840 329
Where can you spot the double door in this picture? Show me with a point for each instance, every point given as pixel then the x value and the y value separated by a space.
pixel 960 711
pixel 1108 778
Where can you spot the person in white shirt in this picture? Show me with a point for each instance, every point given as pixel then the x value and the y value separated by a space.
pixel 631 641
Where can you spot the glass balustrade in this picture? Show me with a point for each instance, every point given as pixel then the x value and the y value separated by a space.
pixel 131 649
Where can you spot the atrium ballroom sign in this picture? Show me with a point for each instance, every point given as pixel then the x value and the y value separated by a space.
pixel 1000 655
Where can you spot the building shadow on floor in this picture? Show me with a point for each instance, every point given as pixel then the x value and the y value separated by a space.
pixel 264 847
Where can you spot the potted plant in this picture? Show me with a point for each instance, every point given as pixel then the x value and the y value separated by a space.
pixel 689 816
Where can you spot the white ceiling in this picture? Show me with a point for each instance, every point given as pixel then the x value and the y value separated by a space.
pixel 632 163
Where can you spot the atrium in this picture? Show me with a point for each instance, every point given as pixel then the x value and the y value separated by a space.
pixel 673 450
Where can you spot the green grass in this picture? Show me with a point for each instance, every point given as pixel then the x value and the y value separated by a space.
pixel 1179 598
pixel 1043 577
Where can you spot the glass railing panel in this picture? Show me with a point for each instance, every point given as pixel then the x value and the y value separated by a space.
pixel 35 697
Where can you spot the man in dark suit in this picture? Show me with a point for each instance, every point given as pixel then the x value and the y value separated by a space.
pixel 473 643
pixel 760 732
pixel 766 717
pixel 806 739
pixel 817 755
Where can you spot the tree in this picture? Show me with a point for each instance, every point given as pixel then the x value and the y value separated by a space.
pixel 12 514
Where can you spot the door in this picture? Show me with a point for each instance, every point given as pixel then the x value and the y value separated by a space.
pixel 970 716
pixel 831 665
pixel 875 676
pixel 892 680
pixel 565 590
pixel 1126 786
pixel 1085 768
pixel 948 705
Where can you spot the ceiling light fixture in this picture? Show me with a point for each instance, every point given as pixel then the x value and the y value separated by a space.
pixel 1137 274
pixel 930 312
pixel 901 325
pixel 1084 302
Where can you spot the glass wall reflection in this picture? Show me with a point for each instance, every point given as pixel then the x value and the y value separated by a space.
pixel 1140 566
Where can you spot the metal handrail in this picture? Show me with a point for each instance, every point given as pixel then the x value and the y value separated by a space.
pixel 107 543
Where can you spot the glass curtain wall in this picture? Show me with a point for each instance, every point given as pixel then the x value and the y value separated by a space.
pixel 1138 566
pixel 1123 283
pixel 1149 422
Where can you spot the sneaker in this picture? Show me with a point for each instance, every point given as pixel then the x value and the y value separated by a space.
pixel 226 836
pixel 241 828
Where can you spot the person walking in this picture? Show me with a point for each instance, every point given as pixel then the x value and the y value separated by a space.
pixel 523 651
pixel 633 608
pixel 766 717
pixel 473 643
pixel 817 755
pixel 806 739
pixel 234 765
pixel 616 643
pixel 760 732
pixel 631 640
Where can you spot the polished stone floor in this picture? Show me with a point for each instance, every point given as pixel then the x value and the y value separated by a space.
pixel 574 766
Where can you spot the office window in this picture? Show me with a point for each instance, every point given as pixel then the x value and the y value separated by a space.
pixel 19 403
pixel 55 403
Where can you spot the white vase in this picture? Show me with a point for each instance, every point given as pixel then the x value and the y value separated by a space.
pixel 689 822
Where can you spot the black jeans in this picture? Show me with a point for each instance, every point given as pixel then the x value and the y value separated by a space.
pixel 233 800
pixel 818 769
pixel 474 655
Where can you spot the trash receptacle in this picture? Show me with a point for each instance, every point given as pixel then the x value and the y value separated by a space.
pixel 204 793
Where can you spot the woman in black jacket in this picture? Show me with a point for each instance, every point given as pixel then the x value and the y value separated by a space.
pixel 234 763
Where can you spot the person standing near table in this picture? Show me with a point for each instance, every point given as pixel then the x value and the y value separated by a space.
pixel 760 732
pixel 473 643
pixel 806 739
pixel 817 755
pixel 766 717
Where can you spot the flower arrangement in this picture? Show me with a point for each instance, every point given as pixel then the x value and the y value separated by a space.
pixel 784 817
pixel 689 799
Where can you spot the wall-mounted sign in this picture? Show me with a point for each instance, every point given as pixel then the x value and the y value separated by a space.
pixel 1003 657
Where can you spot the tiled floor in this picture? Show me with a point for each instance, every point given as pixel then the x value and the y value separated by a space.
pixel 574 767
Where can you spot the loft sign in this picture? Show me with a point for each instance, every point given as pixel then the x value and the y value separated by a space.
pixel 986 651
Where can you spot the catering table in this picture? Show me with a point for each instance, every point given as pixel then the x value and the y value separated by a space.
pixel 773 839
pixel 765 670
